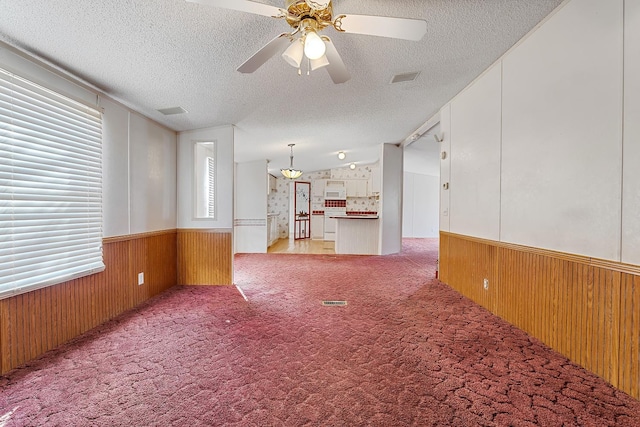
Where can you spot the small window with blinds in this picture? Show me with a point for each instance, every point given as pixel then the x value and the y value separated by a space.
pixel 211 188
pixel 204 167
pixel 50 187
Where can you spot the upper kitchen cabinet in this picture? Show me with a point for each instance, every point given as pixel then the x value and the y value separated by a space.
pixel 357 188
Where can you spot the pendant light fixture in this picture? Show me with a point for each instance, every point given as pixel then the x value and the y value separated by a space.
pixel 291 173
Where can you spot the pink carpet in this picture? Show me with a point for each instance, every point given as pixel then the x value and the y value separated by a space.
pixel 406 350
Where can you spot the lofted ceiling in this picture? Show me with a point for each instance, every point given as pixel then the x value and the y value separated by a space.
pixel 154 54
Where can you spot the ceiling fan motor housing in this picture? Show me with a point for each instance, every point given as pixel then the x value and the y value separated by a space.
pixel 300 10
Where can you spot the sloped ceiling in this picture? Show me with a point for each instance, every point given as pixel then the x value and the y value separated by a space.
pixel 153 54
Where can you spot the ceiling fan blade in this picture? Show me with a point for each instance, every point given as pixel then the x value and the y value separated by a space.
pixel 242 6
pixel 266 52
pixel 383 26
pixel 336 68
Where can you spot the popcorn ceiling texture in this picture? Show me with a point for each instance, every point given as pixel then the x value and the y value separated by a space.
pixel 167 53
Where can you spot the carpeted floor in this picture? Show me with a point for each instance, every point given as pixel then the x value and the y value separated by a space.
pixel 406 350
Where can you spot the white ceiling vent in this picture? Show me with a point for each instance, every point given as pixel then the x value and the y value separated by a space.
pixel 405 77
pixel 172 110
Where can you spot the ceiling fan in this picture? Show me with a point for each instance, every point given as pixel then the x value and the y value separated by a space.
pixel 308 18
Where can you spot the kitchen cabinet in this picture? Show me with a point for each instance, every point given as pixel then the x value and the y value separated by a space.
pixel 317 227
pixel 357 235
pixel 357 188
pixel 329 228
pixel 272 229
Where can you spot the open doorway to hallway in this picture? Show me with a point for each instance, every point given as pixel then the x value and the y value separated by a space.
pixel 421 187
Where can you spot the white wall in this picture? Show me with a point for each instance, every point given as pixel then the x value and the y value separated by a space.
pixel 562 142
pixel 139 156
pixel 152 170
pixel 474 189
pixel 420 203
pixel 139 173
pixel 631 168
pixel 223 137
pixel 561 126
pixel 250 225
pixel 445 167
pixel 115 169
pixel 390 210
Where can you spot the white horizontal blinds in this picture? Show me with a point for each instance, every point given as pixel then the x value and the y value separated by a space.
pixel 211 195
pixel 50 187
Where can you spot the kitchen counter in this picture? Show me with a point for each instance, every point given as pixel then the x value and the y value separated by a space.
pixel 357 234
pixel 356 216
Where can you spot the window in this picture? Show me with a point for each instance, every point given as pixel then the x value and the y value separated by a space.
pixel 204 180
pixel 210 187
pixel 50 187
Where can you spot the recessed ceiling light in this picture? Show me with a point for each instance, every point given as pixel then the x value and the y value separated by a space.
pixel 171 111
pixel 341 155
pixel 405 77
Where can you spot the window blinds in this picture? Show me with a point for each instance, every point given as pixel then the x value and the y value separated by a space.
pixel 211 195
pixel 50 187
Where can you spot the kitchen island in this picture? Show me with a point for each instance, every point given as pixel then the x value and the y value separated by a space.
pixel 357 234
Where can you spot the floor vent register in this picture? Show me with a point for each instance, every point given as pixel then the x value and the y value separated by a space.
pixel 334 303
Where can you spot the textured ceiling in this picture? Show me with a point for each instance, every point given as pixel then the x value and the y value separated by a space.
pixel 153 54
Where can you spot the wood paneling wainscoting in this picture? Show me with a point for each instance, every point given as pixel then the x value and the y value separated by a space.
pixel 205 257
pixel 40 320
pixel 585 308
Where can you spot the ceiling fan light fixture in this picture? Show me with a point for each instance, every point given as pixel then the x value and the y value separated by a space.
pixel 319 63
pixel 291 173
pixel 293 54
pixel 314 47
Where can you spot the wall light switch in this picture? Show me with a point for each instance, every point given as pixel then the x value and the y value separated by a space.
pixel 140 278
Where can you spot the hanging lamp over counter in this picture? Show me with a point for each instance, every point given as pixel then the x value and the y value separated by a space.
pixel 291 173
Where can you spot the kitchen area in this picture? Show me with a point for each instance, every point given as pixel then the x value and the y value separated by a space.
pixel 348 211
pixel 355 230
pixel 336 196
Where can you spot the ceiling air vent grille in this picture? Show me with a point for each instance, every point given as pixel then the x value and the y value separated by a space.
pixel 405 77
pixel 172 111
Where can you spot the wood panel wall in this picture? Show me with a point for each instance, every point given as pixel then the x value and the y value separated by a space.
pixel 205 257
pixel 584 308
pixel 629 365
pixel 38 321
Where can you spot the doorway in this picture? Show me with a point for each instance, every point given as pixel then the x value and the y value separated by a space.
pixel 301 210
